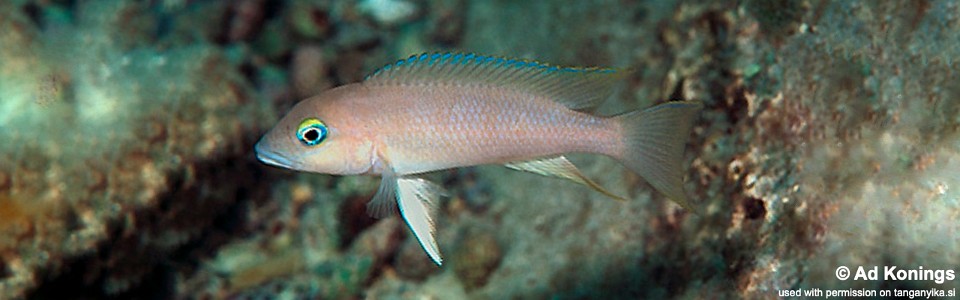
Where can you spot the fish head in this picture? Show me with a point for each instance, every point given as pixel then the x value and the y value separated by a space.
pixel 319 135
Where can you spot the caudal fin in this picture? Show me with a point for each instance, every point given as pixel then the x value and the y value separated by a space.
pixel 654 140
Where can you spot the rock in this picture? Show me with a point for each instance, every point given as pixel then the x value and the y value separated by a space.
pixel 112 171
pixel 476 258
pixel 411 263
pixel 388 12
pixel 309 71
pixel 309 19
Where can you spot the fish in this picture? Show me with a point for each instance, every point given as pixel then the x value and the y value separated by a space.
pixel 439 111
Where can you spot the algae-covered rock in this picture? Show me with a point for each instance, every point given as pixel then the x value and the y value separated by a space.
pixel 107 143
pixel 478 256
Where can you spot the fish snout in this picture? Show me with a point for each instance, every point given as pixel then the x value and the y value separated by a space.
pixel 266 155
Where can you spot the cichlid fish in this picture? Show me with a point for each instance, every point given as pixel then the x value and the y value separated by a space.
pixel 440 111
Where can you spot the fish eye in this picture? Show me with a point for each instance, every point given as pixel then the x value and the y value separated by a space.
pixel 311 132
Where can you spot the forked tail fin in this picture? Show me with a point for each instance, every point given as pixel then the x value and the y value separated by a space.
pixel 654 140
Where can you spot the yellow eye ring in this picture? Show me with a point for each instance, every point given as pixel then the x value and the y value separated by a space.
pixel 311 132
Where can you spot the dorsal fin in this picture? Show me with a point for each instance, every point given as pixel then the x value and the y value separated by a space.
pixel 577 88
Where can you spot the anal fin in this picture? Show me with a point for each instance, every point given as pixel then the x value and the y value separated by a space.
pixel 560 167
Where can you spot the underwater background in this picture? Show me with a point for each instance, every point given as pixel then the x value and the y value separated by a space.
pixel 830 137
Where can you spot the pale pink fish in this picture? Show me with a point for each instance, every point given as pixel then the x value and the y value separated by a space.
pixel 439 111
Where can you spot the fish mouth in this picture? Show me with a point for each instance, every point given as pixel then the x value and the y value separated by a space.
pixel 271 158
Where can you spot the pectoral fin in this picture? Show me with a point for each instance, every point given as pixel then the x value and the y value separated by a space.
pixel 560 167
pixel 384 202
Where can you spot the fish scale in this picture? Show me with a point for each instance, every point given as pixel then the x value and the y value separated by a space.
pixel 437 138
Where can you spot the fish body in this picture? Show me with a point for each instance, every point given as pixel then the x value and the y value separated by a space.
pixel 440 127
pixel 440 111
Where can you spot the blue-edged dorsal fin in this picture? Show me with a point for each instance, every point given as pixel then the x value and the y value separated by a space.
pixel 577 88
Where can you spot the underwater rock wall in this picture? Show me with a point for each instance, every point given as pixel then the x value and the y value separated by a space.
pixel 878 151
pixel 108 139
pixel 829 138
